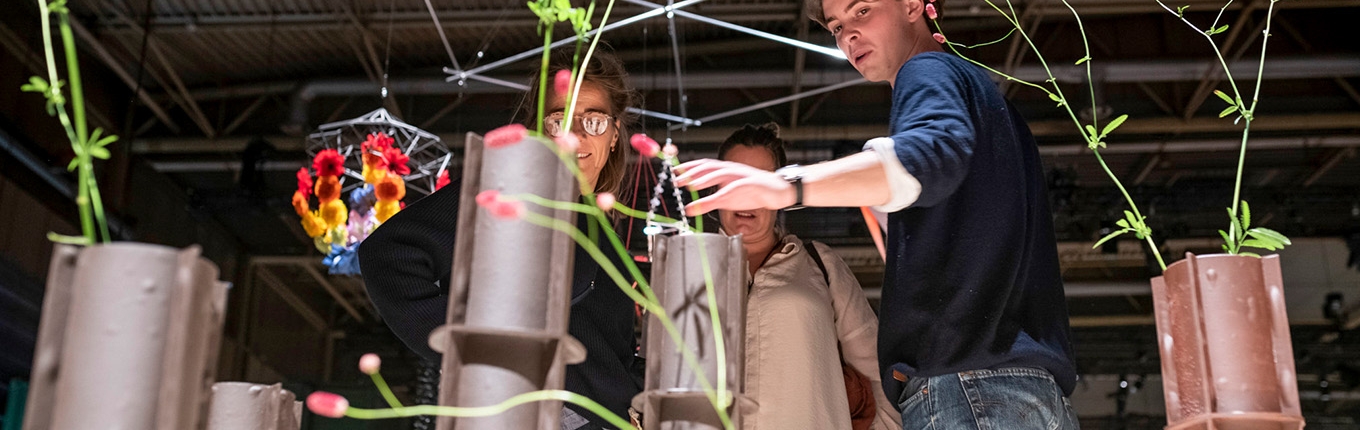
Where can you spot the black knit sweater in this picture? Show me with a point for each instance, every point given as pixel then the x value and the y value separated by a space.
pixel 407 264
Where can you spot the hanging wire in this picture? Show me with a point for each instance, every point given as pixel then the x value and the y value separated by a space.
pixel 141 67
pixel 387 50
pixel 442 38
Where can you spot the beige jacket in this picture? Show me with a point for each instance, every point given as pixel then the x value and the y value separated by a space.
pixel 793 324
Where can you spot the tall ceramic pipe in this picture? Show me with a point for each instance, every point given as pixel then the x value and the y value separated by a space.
pixel 673 398
pixel 128 339
pixel 509 296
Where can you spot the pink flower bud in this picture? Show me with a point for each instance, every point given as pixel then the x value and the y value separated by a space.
pixel 505 136
pixel 488 197
pixel 568 142
pixel 507 209
pixel 498 206
pixel 327 404
pixel 670 150
pixel 369 363
pixel 562 82
pixel 644 145
pixel 605 201
pixel 938 37
pixel 930 12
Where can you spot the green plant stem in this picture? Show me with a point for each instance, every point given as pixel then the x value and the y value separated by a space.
pixel 576 82
pixel 1092 141
pixel 543 77
pixel 73 75
pixel 55 97
pixel 96 203
pixel 485 411
pixel 651 306
pixel 720 346
pixel 386 392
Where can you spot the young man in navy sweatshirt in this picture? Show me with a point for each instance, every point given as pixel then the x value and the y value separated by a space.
pixel 973 326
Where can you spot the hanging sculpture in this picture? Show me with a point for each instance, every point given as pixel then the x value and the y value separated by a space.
pixel 382 157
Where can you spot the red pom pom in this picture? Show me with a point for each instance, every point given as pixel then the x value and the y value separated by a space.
pixel 562 82
pixel 442 180
pixel 304 182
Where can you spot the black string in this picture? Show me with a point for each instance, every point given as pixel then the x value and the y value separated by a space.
pixel 387 54
pixel 141 67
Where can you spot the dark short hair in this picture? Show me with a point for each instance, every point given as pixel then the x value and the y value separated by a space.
pixel 813 10
pixel 763 136
pixel 606 71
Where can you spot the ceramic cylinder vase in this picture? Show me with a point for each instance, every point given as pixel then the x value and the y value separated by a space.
pixel 129 339
pixel 673 397
pixel 509 293
pixel 246 406
pixel 1223 335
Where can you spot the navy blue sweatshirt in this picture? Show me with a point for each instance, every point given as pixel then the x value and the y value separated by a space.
pixel 972 279
pixel 407 264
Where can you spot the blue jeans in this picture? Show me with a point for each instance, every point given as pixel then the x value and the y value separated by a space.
pixel 1018 398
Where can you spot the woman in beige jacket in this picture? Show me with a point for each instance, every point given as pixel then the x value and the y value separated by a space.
pixel 799 330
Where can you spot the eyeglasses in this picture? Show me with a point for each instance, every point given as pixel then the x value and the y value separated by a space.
pixel 593 123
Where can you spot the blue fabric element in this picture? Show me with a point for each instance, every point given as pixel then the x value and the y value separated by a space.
pixel 342 260
pixel 972 279
pixel 362 199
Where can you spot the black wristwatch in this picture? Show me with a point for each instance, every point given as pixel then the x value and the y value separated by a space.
pixel 793 173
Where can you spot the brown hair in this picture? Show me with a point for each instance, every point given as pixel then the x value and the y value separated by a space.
pixel 764 136
pixel 606 71
pixel 813 10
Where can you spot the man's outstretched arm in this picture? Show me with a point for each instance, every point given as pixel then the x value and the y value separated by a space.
pixel 858 180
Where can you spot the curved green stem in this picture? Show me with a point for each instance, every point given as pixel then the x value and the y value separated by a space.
pixel 720 346
pixel 73 75
pixel 486 411
pixel 386 392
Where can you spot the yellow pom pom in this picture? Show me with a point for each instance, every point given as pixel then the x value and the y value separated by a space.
pixel 312 223
pixel 383 210
pixel 334 213
pixel 373 175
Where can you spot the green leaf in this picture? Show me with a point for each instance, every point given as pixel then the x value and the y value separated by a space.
pixel 1237 229
pixel 1262 233
pixel 1122 223
pixel 1227 111
pixel 1108 237
pixel 35 85
pixel 69 240
pixel 1091 131
pixel 1083 60
pixel 1134 221
pixel 1246 215
pixel 1216 30
pixel 1225 238
pixel 1224 96
pixel 1180 11
pixel 1114 124
pixel 1263 244
pixel 1250 254
pixel 1054 97
pixel 99 152
pixel 75 162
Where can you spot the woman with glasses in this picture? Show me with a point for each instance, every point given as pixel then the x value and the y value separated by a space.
pixel 407 261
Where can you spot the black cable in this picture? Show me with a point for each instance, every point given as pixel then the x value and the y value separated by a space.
pixel 141 68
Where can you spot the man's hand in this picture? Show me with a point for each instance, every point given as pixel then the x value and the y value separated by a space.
pixel 742 187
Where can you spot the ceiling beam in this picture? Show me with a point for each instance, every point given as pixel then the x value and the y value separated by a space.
pixel 117 68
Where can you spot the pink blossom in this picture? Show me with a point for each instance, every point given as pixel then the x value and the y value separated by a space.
pixel 670 150
pixel 327 404
pixel 568 142
pixel 644 145
pixel 562 82
pixel 605 201
pixel 938 37
pixel 505 136
pixel 370 363
pixel 930 12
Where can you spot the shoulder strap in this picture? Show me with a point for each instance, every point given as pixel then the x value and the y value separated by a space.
pixel 811 248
